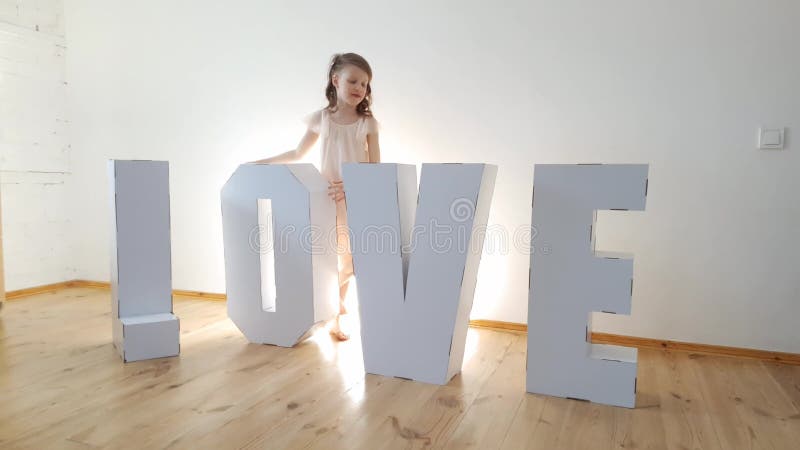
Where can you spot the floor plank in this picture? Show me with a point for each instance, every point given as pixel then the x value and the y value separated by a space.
pixel 63 386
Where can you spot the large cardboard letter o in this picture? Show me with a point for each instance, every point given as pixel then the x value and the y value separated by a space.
pixel 280 262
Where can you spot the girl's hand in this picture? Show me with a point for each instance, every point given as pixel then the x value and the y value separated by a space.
pixel 336 190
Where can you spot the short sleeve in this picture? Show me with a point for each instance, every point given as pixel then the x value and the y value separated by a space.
pixel 313 121
pixel 372 125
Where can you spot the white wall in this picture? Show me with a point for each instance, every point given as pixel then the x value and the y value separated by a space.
pixel 681 85
pixel 34 144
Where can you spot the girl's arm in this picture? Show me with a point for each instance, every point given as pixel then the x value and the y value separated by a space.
pixel 293 155
pixel 336 188
pixel 374 148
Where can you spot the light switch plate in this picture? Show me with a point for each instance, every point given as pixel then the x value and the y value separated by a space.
pixel 770 138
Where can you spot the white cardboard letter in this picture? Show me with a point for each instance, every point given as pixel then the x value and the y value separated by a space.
pixel 143 325
pixel 569 281
pixel 415 299
pixel 280 262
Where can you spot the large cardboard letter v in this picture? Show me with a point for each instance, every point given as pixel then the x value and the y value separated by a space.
pixel 416 285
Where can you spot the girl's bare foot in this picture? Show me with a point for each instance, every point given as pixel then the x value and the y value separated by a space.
pixel 339 335
pixel 336 331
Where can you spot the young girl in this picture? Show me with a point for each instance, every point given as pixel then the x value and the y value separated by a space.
pixel 349 133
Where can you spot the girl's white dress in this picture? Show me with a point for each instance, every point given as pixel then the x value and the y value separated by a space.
pixel 341 143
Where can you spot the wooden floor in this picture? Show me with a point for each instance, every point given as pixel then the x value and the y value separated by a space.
pixel 63 386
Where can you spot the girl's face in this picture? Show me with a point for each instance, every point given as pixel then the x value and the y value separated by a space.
pixel 351 84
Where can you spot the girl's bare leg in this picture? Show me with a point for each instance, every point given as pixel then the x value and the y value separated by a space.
pixel 342 295
pixel 336 330
pixel 345 264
